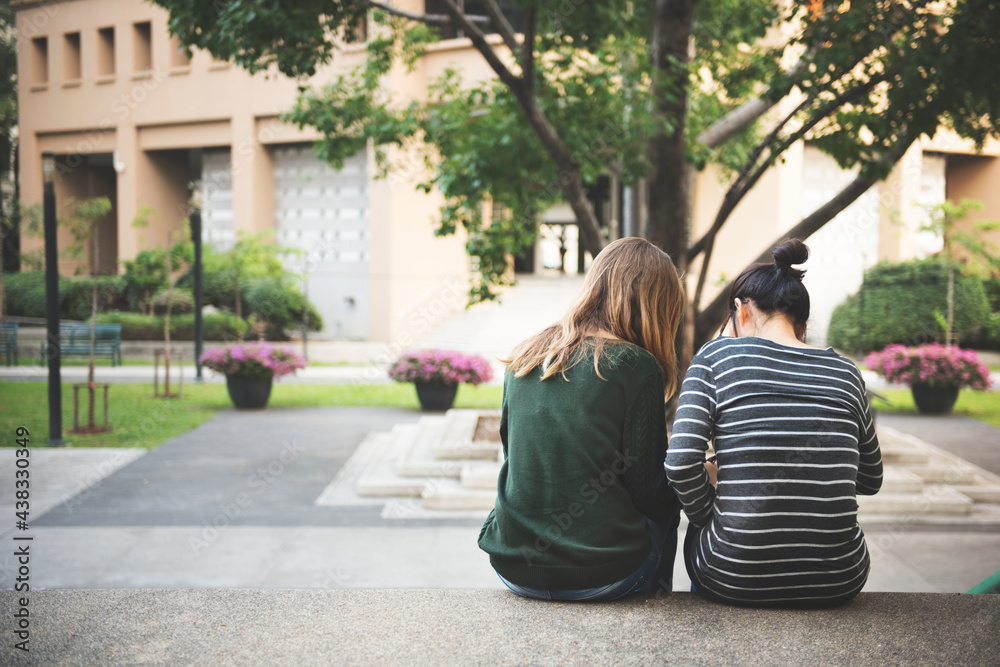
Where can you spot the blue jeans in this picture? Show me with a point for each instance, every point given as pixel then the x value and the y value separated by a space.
pixel 655 574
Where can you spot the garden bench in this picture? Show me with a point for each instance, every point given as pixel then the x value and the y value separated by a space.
pixel 74 339
pixel 8 341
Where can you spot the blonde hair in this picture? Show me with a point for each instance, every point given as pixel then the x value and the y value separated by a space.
pixel 632 292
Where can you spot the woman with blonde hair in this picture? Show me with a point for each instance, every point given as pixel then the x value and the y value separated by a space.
pixel 583 510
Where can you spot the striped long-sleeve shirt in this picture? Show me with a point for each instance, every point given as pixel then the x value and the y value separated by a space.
pixel 795 442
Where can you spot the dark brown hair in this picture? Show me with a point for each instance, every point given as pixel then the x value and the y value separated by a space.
pixel 777 287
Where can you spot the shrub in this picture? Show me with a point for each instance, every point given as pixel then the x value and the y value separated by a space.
pixel 441 367
pixel 217 326
pixel 136 326
pixel 933 365
pixel 24 295
pixel 279 304
pixel 76 295
pixel 183 301
pixel 900 304
pixel 144 276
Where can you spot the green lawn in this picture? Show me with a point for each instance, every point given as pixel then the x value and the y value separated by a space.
pixel 139 420
pixel 984 406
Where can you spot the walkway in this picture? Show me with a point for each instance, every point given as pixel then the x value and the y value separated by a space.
pixel 232 503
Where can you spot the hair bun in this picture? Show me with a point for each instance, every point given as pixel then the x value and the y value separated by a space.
pixel 790 252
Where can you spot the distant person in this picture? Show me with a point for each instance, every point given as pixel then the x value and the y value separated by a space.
pixel 774 519
pixel 583 510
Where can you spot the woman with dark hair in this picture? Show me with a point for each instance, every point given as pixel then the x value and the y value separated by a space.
pixel 583 511
pixel 773 515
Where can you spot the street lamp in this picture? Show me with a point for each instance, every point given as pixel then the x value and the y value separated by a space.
pixel 52 299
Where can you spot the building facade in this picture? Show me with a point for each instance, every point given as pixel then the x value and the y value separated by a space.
pixel 104 87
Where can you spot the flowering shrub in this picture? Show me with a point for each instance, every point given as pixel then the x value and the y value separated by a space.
pixel 934 365
pixel 444 367
pixel 258 361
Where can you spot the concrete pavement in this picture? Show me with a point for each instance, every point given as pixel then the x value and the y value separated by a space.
pixel 222 627
pixel 232 503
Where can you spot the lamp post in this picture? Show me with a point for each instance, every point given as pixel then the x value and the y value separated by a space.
pixel 199 325
pixel 52 300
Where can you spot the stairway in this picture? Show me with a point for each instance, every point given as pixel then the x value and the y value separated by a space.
pixel 436 468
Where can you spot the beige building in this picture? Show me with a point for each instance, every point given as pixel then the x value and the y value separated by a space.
pixel 104 87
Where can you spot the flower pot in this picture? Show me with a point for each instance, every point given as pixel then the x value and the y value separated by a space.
pixel 436 397
pixel 248 393
pixel 934 400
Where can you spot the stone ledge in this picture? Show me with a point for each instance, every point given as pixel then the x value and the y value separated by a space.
pixel 322 627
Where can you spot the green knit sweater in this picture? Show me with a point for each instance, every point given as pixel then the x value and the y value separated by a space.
pixel 583 470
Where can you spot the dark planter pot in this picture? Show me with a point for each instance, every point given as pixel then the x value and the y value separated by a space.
pixel 934 400
pixel 436 397
pixel 248 393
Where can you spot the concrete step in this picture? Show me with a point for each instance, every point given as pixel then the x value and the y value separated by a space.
pixel 419 460
pixel 943 474
pixel 936 499
pixel 457 442
pixel 980 493
pixel 449 494
pixel 481 475
pixel 900 480
pixel 900 454
pixel 380 479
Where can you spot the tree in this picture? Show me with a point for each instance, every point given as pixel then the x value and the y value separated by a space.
pixel 9 207
pixel 178 253
pixel 644 88
pixel 82 225
pixel 942 220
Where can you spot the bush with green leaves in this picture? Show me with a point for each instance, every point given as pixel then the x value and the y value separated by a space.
pixel 24 294
pixel 136 326
pixel 144 276
pixel 182 301
pixel 281 305
pixel 904 303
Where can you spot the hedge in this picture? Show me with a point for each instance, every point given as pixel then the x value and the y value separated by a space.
pixel 136 326
pixel 24 295
pixel 899 305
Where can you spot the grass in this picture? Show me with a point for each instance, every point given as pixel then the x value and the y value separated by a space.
pixel 139 420
pixel 981 405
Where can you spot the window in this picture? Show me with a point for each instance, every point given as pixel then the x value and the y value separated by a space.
pixel 106 52
pixel 358 34
pixel 71 56
pixel 142 47
pixel 40 61
pixel 178 57
pixel 512 10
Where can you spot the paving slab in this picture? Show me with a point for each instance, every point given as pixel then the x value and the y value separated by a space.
pixel 222 627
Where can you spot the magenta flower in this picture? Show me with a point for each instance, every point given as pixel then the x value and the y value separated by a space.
pixel 258 360
pixel 934 365
pixel 445 367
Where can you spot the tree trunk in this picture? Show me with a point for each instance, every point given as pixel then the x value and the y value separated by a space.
pixel 166 326
pixel 91 398
pixel 670 190
pixel 951 298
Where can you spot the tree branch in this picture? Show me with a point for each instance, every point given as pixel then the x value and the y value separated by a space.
pixel 745 183
pixel 571 182
pixel 528 48
pixel 503 25
pixel 738 119
pixel 429 19
pixel 714 312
